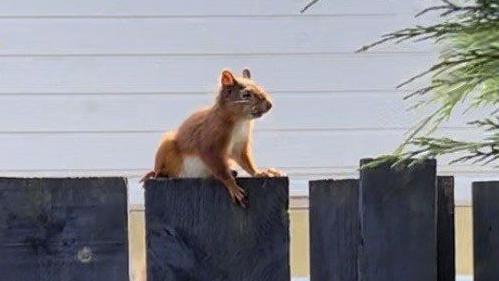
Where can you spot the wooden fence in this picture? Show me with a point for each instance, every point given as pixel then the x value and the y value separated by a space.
pixel 486 230
pixel 391 224
pixel 63 229
pixel 194 232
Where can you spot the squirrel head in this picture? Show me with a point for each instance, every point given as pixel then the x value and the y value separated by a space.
pixel 242 97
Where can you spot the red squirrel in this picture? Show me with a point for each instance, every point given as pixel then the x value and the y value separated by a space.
pixel 209 139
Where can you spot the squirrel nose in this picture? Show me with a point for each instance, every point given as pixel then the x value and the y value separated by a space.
pixel 269 106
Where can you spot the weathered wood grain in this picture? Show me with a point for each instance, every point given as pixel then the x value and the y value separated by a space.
pixel 486 230
pixel 398 223
pixel 194 231
pixel 63 229
pixel 334 230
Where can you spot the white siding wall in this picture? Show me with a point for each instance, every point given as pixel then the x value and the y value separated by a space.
pixel 87 87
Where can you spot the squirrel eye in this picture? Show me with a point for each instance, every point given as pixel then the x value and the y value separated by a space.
pixel 245 94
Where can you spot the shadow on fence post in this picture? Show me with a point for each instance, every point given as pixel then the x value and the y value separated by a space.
pixel 398 223
pixel 445 230
pixel 194 231
pixel 486 230
pixel 63 229
pixel 334 230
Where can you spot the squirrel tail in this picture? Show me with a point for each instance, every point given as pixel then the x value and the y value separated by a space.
pixel 167 161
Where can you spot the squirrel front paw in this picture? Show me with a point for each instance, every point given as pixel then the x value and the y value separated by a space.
pixel 270 172
pixel 238 196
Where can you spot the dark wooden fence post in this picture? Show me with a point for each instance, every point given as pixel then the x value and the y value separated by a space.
pixel 334 230
pixel 63 229
pixel 486 230
pixel 194 231
pixel 445 230
pixel 398 223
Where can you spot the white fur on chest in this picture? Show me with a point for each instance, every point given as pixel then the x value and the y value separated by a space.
pixel 239 136
pixel 194 167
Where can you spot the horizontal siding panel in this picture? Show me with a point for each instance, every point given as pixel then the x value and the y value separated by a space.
pixel 200 73
pixel 197 35
pixel 136 150
pixel 154 61
pixel 202 7
pixel 299 111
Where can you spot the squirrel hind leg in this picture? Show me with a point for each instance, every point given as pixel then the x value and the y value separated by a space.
pixel 168 162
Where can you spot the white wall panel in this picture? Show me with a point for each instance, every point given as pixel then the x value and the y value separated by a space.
pixel 93 151
pixel 87 86
pixel 200 73
pixel 218 35
pixel 203 7
pixel 157 112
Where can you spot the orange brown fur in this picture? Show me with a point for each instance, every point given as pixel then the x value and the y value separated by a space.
pixel 217 135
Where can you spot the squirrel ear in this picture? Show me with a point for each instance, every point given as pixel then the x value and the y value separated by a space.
pixel 246 73
pixel 227 78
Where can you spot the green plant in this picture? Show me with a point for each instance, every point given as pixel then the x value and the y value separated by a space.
pixel 467 72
